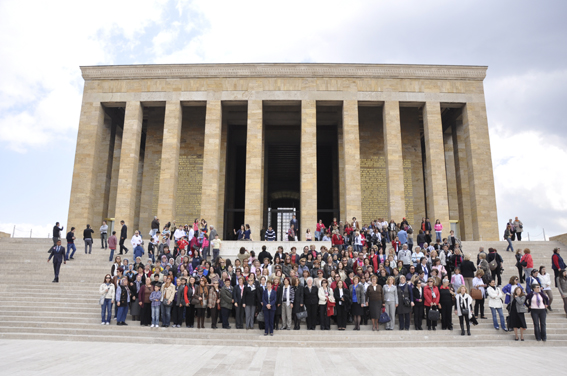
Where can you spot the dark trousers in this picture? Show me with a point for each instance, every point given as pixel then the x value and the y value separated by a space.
pixel 56 268
pixel 341 316
pixel 497 274
pixel 190 315
pixel 462 320
pixel 479 306
pixel 556 274
pixel 312 315
pixel 225 312
pixel 239 316
pixel 122 248
pixel 214 317
pixel 323 318
pixel 522 277
pixel 404 319
pixel 178 314
pixel 447 316
pixel 269 320
pixel 418 315
pixel 146 314
pixel 103 240
pixel 430 323
pixel 519 236
pixel 538 316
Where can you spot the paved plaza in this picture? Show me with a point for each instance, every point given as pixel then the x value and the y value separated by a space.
pixel 32 357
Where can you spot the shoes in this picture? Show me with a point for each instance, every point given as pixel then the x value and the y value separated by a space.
pixel 462 332
pixel 71 258
pixel 107 323
pixel 272 334
pixel 265 334
pixel 55 281
pixel 152 326
pixel 102 323
pixel 124 323
pixel 468 332
pixel 484 318
pixel 522 340
pixel 516 339
pixel 434 328
pixel 550 310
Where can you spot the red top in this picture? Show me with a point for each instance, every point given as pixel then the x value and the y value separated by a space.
pixel 337 240
pixel 528 258
pixel 320 227
pixel 428 295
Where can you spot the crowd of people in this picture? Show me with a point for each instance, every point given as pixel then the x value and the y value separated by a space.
pixel 397 283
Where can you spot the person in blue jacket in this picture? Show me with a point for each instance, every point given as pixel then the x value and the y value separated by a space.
pixel 57 252
pixel 269 307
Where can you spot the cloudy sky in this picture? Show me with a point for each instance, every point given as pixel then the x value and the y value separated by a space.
pixel 43 43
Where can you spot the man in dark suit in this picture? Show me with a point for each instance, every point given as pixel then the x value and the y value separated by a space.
pixel 269 307
pixel 237 296
pixel 123 236
pixel 58 254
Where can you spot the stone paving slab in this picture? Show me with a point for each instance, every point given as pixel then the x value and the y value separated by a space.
pixel 34 357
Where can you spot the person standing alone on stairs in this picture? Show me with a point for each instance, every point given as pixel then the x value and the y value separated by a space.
pixel 123 235
pixel 88 238
pixel 58 254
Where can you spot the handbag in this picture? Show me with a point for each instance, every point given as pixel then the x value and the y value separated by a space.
pixel 384 318
pixel 101 300
pixel 301 314
pixel 433 315
pixel 493 264
pixel 464 309
pixel 476 294
pixel 260 317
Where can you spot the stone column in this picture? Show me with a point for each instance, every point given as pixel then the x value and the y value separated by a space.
pixel 462 181
pixel 129 165
pixel 169 168
pixel 211 163
pixel 351 149
pixel 394 160
pixel 253 206
pixel 480 174
pixel 91 125
pixel 435 175
pixel 308 218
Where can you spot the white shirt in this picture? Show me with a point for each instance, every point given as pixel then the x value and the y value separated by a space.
pixel 136 240
pixel 178 234
pixel 191 234
pixel 545 281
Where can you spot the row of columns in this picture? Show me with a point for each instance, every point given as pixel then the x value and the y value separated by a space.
pixel 469 179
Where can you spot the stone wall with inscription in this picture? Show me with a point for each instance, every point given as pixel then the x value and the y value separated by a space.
pixel 189 186
pixel 372 165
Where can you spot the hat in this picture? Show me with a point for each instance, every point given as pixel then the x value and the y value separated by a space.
pixel 227 279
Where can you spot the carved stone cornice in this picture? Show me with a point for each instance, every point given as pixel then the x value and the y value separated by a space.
pixel 307 70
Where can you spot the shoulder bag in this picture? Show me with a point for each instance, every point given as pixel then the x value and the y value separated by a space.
pixel 302 315
pixel 464 309
pixel 405 300
pixel 476 294
pixel 384 318
pixel 434 314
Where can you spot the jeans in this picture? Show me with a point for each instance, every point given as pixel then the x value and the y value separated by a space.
pixel 358 248
pixel 215 253
pixel 106 310
pixel 155 315
pixel 249 310
pixel 111 254
pixel 404 320
pixel 166 314
pixel 509 245
pixel 69 247
pixel 538 316
pixel 88 245
pixel 104 240
pixel 495 319
pixel 122 312
pixel 438 236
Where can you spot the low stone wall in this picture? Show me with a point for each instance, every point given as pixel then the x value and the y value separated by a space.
pixel 559 238
pixel 4 235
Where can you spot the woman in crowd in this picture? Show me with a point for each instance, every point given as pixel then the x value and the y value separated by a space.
pixel 324 293
pixel 527 262
pixel 483 265
pixel 190 310
pixel 202 292
pixel 517 311
pixel 463 309
pixel 537 303
pixel 418 302
pixel 311 298
pixel 269 299
pixel 135 286
pixel 562 287
pixel 519 266
pixel 446 298
pixel 108 294
pixel 358 299
pixel 122 301
pixel 405 303
pixel 214 303
pixel 438 230
pixel 342 306
pixel 249 300
pixel 298 305
pixel 390 301
pixel 375 299
pixel 545 280
pixel 479 283
pixel 431 297
pixel 468 269
pixel 495 303
pixel 168 293
pixel 145 303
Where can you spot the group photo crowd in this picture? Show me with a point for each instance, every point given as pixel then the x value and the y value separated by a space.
pixel 374 274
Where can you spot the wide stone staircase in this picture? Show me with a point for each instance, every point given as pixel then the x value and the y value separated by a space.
pixel 35 308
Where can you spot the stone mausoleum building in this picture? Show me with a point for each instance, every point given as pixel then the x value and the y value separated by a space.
pixel 256 143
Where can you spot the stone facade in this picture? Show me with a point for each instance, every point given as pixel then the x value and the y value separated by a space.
pixel 398 155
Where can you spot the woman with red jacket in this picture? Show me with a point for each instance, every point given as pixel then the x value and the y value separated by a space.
pixel 527 262
pixel 337 240
pixel 431 297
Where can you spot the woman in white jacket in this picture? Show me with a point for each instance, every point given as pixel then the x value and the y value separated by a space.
pixel 495 303
pixel 545 280
pixel 324 294
pixel 464 308
pixel 107 293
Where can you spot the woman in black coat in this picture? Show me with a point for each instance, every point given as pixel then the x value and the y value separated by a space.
pixel 342 304
pixel 418 302
pixel 298 305
pixel 311 300
pixel 405 299
pixel 446 300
